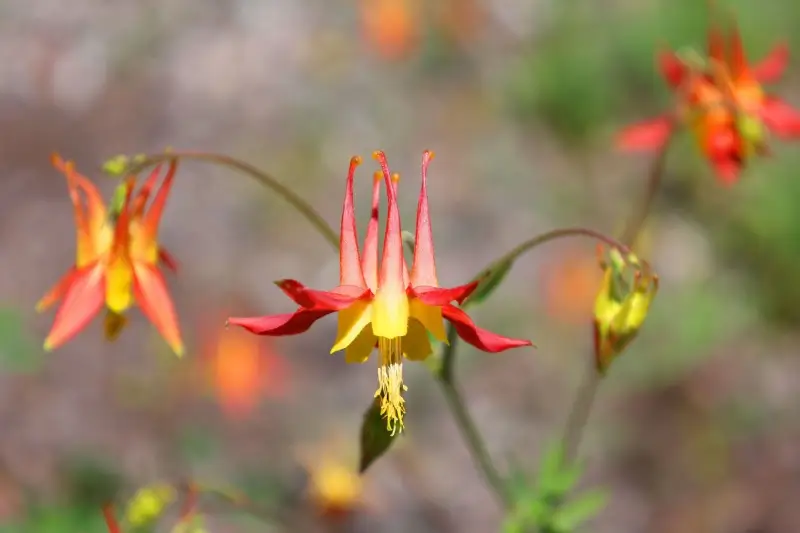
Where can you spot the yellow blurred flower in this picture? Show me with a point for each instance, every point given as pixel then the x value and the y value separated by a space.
pixel 629 286
pixel 334 486
pixel 148 504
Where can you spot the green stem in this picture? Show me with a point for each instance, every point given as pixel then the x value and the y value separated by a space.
pixel 585 397
pixel 466 424
pixel 446 375
pixel 265 179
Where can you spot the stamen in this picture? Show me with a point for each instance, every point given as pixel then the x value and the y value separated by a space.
pixel 390 383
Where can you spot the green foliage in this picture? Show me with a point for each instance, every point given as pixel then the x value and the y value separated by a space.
pixel 17 351
pixel 92 482
pixel 58 519
pixel 544 506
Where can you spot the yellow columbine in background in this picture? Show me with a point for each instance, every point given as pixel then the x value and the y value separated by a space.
pixel 384 304
pixel 629 286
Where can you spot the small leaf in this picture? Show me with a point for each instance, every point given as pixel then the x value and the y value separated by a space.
pixel 578 511
pixel 116 166
pixel 375 438
pixel 488 282
pixel 552 460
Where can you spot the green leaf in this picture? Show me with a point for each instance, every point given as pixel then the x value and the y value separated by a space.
pixel 375 438
pixel 116 166
pixel 578 511
pixel 488 282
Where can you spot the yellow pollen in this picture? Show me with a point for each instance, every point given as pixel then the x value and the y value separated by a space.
pixel 390 383
pixel 395 177
pixel 378 175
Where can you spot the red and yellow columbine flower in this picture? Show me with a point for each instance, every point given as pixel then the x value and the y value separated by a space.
pixel 629 286
pixel 116 264
pixel 723 103
pixel 383 305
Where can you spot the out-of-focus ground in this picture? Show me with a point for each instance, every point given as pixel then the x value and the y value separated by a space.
pixel 695 430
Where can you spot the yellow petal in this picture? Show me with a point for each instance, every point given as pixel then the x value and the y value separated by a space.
pixel 351 322
pixel 390 314
pixel 430 317
pixel 416 345
pixel 119 285
pixel 360 349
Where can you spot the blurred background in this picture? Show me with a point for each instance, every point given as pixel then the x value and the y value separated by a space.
pixel 695 430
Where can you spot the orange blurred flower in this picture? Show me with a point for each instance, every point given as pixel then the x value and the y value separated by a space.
pixel 570 283
pixel 390 26
pixel 241 369
pixel 116 263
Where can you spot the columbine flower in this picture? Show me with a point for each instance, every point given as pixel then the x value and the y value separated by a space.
pixel 384 304
pixel 116 261
pixel 724 104
pixel 622 304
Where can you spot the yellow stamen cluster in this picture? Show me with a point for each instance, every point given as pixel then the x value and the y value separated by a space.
pixel 390 383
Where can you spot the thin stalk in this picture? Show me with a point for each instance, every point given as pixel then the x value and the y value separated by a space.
pixel 111 520
pixel 265 179
pixel 585 397
pixel 446 377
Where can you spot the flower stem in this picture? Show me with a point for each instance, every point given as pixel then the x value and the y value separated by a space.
pixel 455 402
pixel 466 424
pixel 584 400
pixel 111 520
pixel 265 179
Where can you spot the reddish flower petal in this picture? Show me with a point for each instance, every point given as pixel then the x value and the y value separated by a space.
pixel 140 201
pixel 716 46
pixel 479 338
pixel 393 271
pixel 423 270
pixel 369 262
pixel 650 135
pixel 151 293
pixel 781 118
pixel 738 60
pixel 82 301
pixel 327 300
pixel 168 259
pixel 727 171
pixel 672 68
pixel 349 259
pixel 771 68
pixel 153 217
pixel 58 291
pixel 278 325
pixel 438 297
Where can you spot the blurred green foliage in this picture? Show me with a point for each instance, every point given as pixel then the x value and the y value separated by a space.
pixel 545 505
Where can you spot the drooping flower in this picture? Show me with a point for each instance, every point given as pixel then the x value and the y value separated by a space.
pixel 723 103
pixel 384 304
pixel 629 286
pixel 116 264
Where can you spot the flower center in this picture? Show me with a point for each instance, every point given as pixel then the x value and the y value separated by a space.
pixel 390 383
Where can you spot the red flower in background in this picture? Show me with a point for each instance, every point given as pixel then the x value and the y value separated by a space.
pixel 390 26
pixel 723 103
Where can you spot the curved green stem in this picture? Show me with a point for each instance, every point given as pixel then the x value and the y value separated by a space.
pixel 585 397
pixel 265 179
pixel 446 372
